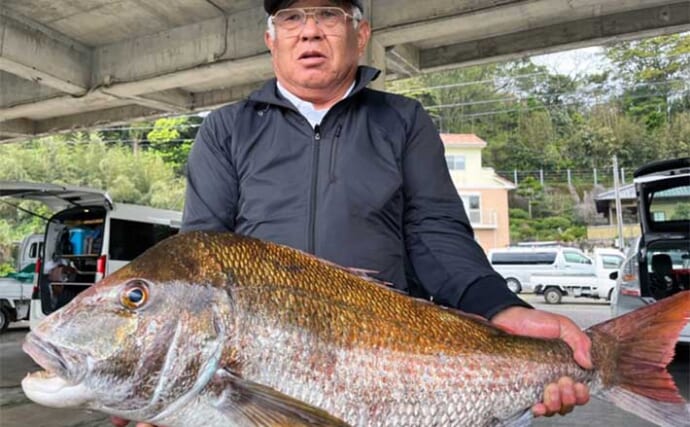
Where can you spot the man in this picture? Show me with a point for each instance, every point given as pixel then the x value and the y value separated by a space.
pixel 316 161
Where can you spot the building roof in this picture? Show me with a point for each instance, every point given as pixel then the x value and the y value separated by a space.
pixel 627 192
pixel 462 140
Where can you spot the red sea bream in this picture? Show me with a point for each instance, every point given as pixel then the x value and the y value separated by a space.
pixel 215 329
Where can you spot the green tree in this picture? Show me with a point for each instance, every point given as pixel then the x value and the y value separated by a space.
pixel 173 137
pixel 681 212
pixel 654 72
pixel 83 159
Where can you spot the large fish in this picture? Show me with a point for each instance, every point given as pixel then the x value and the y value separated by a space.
pixel 212 329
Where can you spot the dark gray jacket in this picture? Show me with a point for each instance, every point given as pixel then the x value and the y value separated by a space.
pixel 368 188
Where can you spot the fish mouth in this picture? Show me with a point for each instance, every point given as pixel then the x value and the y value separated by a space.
pixel 55 386
pixel 46 355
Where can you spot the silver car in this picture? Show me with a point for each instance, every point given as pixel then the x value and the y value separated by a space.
pixel 657 264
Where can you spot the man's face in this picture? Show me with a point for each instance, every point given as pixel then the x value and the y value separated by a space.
pixel 314 57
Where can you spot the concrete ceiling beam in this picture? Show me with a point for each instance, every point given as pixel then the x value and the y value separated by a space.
pixel 403 21
pixel 17 128
pixel 626 25
pixel 35 53
pixel 403 60
pixel 172 101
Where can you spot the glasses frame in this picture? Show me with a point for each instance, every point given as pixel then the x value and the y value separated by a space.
pixel 311 11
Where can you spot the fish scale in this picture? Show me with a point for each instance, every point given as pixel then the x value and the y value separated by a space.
pixel 457 386
pixel 270 336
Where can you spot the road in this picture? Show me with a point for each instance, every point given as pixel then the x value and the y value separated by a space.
pixel 16 410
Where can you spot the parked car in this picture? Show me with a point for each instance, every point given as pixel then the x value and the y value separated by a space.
pixel 606 261
pixel 87 238
pixel 596 284
pixel 16 287
pixel 518 264
pixel 15 296
pixel 657 264
pixel 29 249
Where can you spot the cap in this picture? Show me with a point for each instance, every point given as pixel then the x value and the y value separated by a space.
pixel 272 6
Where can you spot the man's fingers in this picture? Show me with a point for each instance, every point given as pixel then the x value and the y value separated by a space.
pixel 567 395
pixel 552 399
pixel 118 422
pixel 539 410
pixel 581 394
pixel 579 342
pixel 121 422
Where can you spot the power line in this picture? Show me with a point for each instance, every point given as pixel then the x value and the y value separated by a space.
pixel 470 83
pixel 537 107
pixel 518 77
pixel 517 99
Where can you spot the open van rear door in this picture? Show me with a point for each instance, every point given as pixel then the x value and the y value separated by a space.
pixel 663 197
pixel 55 196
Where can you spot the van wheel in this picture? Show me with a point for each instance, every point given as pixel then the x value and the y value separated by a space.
pixel 4 320
pixel 514 285
pixel 553 296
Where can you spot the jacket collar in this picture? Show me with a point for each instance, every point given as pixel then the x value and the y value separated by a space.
pixel 268 93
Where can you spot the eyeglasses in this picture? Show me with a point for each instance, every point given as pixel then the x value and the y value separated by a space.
pixel 292 19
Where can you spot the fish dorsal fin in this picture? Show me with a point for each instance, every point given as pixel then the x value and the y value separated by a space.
pixel 250 404
pixel 362 273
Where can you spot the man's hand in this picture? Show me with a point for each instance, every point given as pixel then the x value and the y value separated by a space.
pixel 121 422
pixel 561 397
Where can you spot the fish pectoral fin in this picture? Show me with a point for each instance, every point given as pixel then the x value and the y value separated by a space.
pixel 520 419
pixel 253 404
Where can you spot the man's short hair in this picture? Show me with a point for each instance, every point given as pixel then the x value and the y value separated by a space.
pixel 271 6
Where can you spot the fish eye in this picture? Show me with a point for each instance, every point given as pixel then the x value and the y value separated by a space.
pixel 134 295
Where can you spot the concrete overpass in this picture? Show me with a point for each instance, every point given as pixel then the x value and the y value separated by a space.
pixel 76 64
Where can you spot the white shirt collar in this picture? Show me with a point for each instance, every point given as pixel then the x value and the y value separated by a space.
pixel 306 108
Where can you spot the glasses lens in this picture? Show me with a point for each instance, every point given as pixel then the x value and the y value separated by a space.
pixel 330 16
pixel 289 19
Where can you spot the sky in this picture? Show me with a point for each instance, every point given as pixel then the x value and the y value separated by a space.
pixel 575 62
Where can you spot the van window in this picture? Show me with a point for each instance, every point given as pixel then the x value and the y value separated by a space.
pixel 129 239
pixel 33 250
pixel 499 258
pixel 576 258
pixel 671 204
pixel 611 261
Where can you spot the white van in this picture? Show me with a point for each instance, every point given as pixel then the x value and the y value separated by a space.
pixel 29 250
pixel 518 264
pixel 86 239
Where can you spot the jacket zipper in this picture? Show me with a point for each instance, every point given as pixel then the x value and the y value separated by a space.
pixel 311 238
pixel 334 149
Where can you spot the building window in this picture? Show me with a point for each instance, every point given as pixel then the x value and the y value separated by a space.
pixel 455 162
pixel 472 204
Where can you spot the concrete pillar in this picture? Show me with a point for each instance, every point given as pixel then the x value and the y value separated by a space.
pixel 375 55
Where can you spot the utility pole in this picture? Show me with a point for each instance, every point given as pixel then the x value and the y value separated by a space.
pixel 619 213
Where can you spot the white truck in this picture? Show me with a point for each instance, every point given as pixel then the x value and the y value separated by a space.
pixel 594 284
pixel 15 300
pixel 16 288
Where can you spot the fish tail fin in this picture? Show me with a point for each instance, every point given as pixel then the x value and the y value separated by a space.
pixel 632 352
